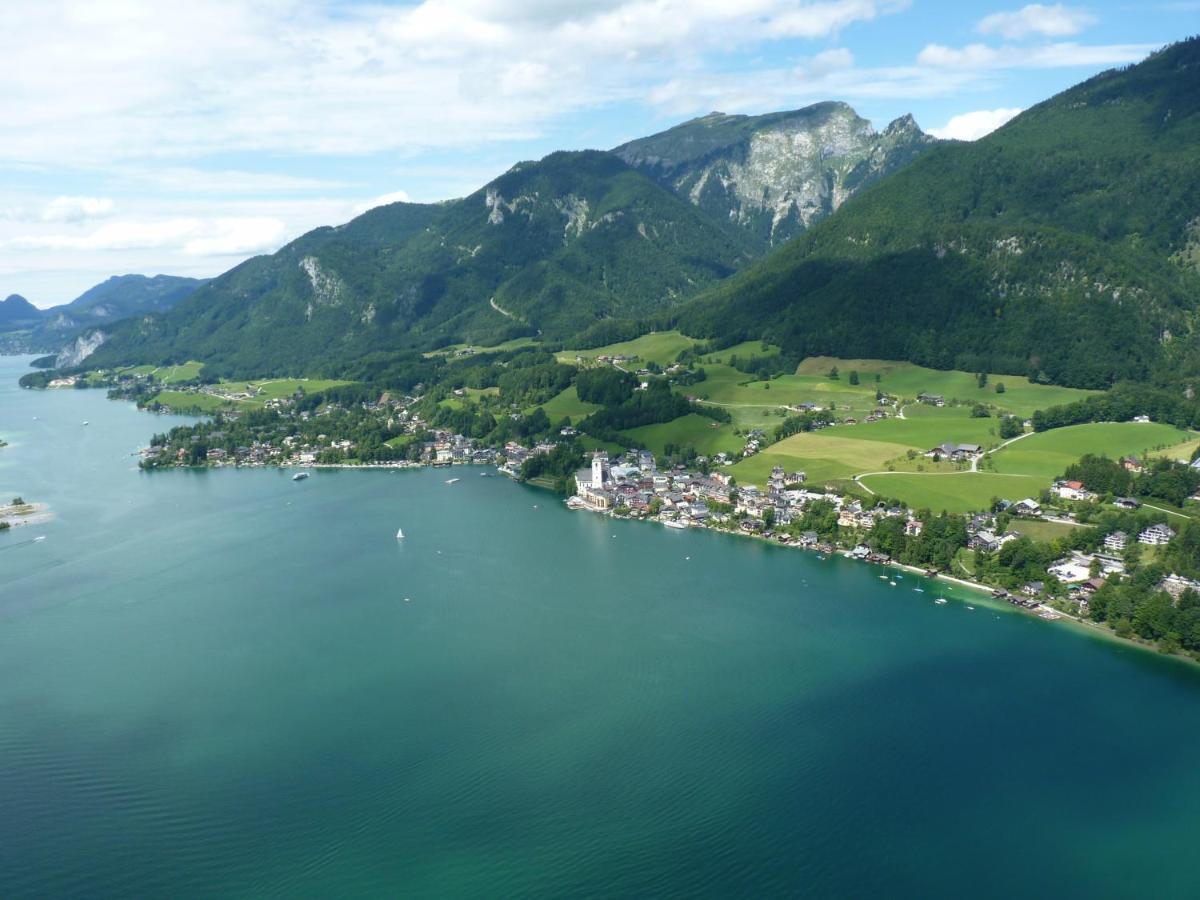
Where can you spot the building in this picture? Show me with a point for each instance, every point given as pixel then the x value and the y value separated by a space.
pixel 1027 507
pixel 1072 490
pixel 1116 542
pixel 1156 535
pixel 950 450
pixel 932 399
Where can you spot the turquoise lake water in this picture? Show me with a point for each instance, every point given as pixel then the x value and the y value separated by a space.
pixel 211 683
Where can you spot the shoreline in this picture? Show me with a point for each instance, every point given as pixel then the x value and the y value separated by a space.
pixel 1084 626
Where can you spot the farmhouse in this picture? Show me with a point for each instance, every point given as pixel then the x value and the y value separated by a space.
pixel 931 399
pixel 950 450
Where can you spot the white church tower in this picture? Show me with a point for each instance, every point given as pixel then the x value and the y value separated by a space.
pixel 599 469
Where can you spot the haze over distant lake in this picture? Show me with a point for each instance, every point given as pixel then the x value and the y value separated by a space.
pixel 228 683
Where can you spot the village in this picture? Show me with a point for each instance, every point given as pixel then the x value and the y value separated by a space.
pixel 632 486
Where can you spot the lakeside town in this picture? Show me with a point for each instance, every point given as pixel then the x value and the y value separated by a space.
pixel 1114 539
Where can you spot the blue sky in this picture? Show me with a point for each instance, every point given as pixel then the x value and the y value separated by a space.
pixel 140 137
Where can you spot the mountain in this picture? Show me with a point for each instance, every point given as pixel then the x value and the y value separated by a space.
pixel 18 313
pixel 119 297
pixel 549 247
pixel 1063 245
pixel 775 175
pixel 28 328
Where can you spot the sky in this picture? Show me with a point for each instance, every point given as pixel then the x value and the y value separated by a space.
pixel 182 138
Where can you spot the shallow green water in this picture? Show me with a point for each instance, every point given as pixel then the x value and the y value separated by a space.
pixel 211 683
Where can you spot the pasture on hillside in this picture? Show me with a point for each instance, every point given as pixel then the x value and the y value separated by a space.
pixel 1048 453
pixel 693 430
pixel 660 347
pixel 1021 396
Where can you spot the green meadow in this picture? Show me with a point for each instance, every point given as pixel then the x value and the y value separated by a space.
pixel 567 405
pixel 1048 453
pixel 1021 396
pixel 701 432
pixel 957 493
pixel 660 347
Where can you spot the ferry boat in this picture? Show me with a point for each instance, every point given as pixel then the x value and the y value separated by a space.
pixel 675 523
pixel 299 476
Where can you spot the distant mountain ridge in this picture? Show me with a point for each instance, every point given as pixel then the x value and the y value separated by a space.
pixel 25 328
pixel 776 175
pixel 17 312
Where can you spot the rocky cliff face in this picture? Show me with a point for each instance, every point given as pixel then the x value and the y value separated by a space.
pixel 80 348
pixel 775 175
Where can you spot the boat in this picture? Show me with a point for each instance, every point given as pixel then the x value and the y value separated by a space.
pixel 451 481
pixel 399 534
pixel 85 422
pixel 883 578
pixel 892 583
pixel 299 476
pixel 940 601
pixel 675 523
pixel 919 590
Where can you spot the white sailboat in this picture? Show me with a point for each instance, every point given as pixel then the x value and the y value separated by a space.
pixel 399 534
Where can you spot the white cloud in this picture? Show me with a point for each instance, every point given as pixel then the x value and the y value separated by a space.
pixel 974 125
pixel 1048 56
pixel 1036 19
pixel 381 200
pixel 76 209
pixel 95 84
pixel 191 236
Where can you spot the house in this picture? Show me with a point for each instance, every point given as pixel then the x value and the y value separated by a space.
pixel 912 528
pixel 1033 588
pixel 1116 542
pixel 809 539
pixel 1142 420
pixel 1131 464
pixel 1127 503
pixel 950 450
pixel 1156 535
pixel 1027 507
pixel 931 399
pixel 1072 490
pixel 985 541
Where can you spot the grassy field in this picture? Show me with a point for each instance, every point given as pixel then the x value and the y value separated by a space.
pixel 275 389
pixel 690 430
pixel 923 428
pixel 822 455
pixel 744 350
pixel 568 405
pixel 176 374
pixel 192 400
pixel 658 346
pixel 1048 453
pixel 514 344
pixel 1042 531
pixel 1021 396
pixel 958 493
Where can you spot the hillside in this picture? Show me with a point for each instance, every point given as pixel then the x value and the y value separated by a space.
pixel 775 175
pixel 17 312
pixel 25 328
pixel 549 247
pixel 1063 246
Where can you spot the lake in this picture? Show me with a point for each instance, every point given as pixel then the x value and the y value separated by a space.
pixel 228 683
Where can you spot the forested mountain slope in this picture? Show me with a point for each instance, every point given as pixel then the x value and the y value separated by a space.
pixel 1063 245
pixel 549 247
